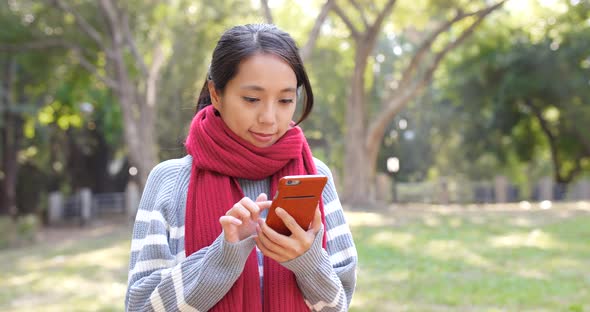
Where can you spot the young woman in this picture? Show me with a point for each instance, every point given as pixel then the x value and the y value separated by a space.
pixel 199 241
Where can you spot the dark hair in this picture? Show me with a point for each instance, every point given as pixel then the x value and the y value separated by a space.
pixel 244 41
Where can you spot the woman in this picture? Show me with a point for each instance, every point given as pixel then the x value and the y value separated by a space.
pixel 199 241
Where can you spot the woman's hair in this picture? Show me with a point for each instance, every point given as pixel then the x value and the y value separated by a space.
pixel 241 42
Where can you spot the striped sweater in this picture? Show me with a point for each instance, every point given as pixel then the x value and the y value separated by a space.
pixel 162 278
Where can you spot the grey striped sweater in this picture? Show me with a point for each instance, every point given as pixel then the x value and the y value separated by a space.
pixel 162 278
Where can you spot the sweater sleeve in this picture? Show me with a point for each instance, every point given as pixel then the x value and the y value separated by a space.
pixel 327 278
pixel 159 279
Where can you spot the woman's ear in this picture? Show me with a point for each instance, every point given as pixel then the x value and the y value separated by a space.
pixel 215 98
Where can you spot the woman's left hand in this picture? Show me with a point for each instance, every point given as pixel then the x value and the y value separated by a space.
pixel 283 248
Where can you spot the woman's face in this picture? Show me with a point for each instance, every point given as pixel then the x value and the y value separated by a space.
pixel 259 102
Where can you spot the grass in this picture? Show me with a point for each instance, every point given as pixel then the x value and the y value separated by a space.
pixel 474 261
pixel 86 273
pixel 411 259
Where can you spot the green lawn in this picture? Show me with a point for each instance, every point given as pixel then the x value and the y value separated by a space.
pixel 536 260
pixel 411 259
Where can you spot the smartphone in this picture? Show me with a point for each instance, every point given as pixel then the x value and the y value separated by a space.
pixel 299 195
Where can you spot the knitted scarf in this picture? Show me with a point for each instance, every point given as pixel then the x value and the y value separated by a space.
pixel 220 157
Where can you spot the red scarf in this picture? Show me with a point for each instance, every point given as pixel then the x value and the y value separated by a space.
pixel 219 158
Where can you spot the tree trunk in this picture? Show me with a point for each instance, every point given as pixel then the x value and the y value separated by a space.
pixel 357 179
pixel 138 117
pixel 413 84
pixel 139 133
pixel 11 140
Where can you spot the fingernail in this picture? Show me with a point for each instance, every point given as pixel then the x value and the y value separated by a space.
pixel 280 210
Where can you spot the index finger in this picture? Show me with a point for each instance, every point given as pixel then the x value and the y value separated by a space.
pixel 290 222
pixel 264 204
pixel 251 206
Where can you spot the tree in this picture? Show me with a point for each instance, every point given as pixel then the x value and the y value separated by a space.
pixel 25 81
pixel 528 94
pixel 314 33
pixel 134 82
pixel 364 135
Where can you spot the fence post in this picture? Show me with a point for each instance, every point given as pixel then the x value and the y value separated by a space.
pixel 131 199
pixel 85 205
pixel 546 189
pixel 501 189
pixel 383 189
pixel 443 191
pixel 55 209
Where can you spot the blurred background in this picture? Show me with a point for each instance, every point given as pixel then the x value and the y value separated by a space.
pixel 457 132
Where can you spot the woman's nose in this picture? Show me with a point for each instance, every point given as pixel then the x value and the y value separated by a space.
pixel 267 114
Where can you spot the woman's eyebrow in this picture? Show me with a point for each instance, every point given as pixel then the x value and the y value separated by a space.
pixel 259 88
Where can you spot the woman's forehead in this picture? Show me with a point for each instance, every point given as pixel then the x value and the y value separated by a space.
pixel 262 72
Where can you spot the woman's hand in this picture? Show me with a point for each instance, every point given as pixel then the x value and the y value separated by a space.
pixel 240 221
pixel 283 248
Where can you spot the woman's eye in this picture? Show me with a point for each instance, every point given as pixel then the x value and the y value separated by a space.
pixel 286 101
pixel 250 99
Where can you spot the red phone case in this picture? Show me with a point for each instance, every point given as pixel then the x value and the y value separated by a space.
pixel 299 196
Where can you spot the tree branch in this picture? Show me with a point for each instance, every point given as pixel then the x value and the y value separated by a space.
pixel 361 12
pixel 425 47
pixel 266 11
pixel 550 137
pixel 93 70
pixel 396 101
pixel 153 76
pixel 315 31
pixel 381 17
pixel 427 44
pixel 373 31
pixel 464 35
pixel 61 43
pixel 81 21
pixel 354 32
pixel 132 46
pixel 113 21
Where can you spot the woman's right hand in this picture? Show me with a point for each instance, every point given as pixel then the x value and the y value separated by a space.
pixel 240 221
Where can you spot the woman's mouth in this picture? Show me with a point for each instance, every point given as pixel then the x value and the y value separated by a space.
pixel 262 137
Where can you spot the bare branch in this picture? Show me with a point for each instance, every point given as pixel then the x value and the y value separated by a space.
pixel 354 32
pixel 427 44
pixel 132 46
pixel 425 48
pixel 266 11
pixel 315 31
pixel 152 79
pixel 361 12
pixel 396 101
pixel 373 31
pixel 110 12
pixel 381 17
pixel 81 21
pixel 93 70
pixel 482 14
